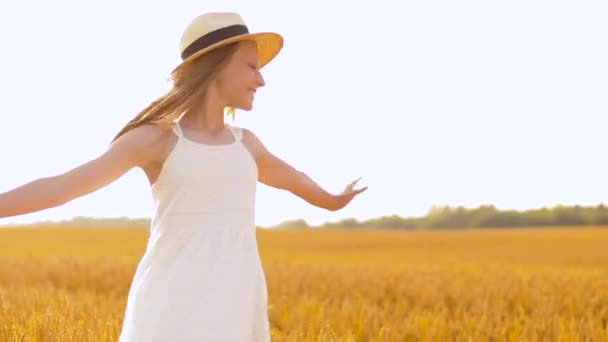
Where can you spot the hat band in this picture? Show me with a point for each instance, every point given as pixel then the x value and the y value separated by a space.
pixel 214 37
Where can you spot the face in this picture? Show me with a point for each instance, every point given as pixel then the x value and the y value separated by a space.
pixel 241 77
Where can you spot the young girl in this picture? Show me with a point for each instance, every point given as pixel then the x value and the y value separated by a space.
pixel 201 278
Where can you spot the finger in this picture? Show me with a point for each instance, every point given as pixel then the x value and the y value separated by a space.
pixel 352 184
pixel 354 192
pixel 360 190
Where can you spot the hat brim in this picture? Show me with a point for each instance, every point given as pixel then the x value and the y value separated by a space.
pixel 269 45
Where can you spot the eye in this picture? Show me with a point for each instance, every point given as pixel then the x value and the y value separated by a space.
pixel 253 66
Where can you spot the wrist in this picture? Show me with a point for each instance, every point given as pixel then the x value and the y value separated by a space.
pixel 335 203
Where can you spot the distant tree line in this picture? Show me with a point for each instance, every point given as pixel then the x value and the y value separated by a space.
pixel 486 216
pixel 91 222
pixel 439 217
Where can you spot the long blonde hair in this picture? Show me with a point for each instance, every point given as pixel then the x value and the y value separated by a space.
pixel 190 84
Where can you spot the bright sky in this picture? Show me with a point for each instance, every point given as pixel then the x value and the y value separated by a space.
pixel 431 102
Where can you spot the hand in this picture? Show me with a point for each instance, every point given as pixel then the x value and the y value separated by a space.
pixel 348 194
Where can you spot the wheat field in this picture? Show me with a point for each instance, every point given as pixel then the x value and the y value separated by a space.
pixel 68 284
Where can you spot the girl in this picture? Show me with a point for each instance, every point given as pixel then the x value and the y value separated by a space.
pixel 201 278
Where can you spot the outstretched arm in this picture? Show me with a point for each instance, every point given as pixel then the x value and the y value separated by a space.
pixel 276 173
pixel 53 191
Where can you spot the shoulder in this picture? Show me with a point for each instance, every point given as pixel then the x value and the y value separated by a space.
pixel 247 133
pixel 252 142
pixel 149 141
pixel 144 135
pixel 248 136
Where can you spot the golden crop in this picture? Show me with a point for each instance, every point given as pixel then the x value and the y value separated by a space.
pixel 64 284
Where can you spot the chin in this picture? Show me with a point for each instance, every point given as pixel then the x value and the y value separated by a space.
pixel 246 108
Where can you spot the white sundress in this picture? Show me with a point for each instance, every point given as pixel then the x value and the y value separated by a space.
pixel 201 277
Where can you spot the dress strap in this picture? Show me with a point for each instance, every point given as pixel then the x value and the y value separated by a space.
pixel 236 132
pixel 177 129
pixel 176 126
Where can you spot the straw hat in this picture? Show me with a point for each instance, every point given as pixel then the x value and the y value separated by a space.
pixel 212 30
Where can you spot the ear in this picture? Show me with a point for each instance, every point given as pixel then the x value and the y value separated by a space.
pixel 220 74
pixel 215 84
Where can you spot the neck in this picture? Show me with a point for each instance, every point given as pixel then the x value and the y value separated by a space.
pixel 208 116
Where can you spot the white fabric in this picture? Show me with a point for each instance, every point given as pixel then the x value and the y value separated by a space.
pixel 201 277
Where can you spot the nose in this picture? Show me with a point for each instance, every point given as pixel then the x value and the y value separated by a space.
pixel 260 80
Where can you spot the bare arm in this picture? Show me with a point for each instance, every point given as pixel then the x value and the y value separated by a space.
pixel 53 191
pixel 277 173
